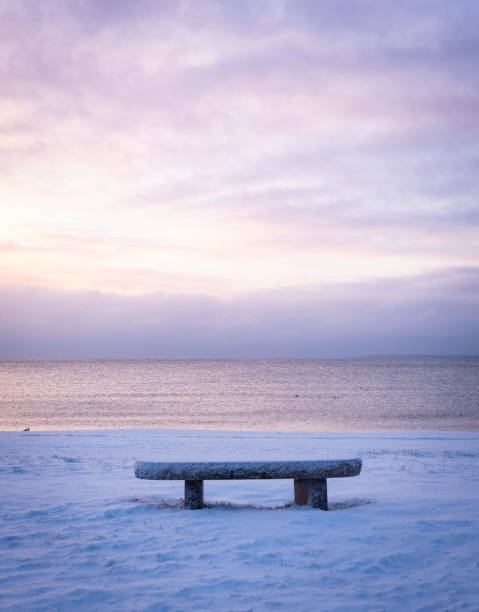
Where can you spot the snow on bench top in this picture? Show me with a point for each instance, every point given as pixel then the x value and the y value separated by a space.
pixel 238 470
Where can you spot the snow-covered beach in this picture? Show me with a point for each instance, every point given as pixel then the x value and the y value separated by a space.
pixel 79 532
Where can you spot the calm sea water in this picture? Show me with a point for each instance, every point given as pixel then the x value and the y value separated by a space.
pixel 275 395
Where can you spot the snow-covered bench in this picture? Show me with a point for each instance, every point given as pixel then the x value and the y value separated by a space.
pixel 310 486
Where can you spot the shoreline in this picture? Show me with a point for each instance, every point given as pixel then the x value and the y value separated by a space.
pixel 258 432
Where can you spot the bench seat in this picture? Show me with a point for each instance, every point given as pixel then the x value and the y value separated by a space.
pixel 309 477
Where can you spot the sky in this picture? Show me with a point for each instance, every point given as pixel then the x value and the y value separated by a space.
pixel 241 178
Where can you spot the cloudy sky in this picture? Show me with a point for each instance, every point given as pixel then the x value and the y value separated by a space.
pixel 239 178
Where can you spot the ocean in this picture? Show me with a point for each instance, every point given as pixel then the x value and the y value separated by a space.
pixel 368 394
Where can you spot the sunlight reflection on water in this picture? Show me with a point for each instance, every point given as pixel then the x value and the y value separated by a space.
pixel 274 395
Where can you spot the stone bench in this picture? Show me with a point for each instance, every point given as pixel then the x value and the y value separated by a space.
pixel 310 486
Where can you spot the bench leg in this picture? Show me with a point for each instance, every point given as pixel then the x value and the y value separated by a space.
pixel 319 493
pixel 312 492
pixel 302 495
pixel 193 494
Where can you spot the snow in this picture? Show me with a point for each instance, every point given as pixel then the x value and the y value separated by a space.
pixel 80 532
